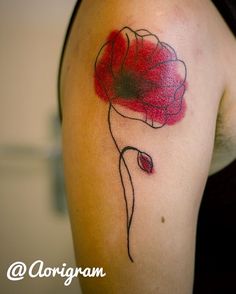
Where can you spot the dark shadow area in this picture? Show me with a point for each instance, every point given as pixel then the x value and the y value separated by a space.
pixel 215 265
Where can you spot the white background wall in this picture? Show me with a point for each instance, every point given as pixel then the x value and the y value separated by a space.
pixel 31 37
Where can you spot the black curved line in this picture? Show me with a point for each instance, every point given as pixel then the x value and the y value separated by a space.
pixel 137 119
pixel 182 96
pixel 144 30
pixel 164 108
pixel 167 46
pixel 95 69
pixel 129 217
pixel 118 149
pixel 126 53
pixel 142 41
pixel 111 63
pixel 140 165
pixel 154 106
pixel 151 35
pixel 136 48
pixel 121 158
pixel 154 51
pixel 162 62
pixel 185 72
pixel 180 106
pixel 148 34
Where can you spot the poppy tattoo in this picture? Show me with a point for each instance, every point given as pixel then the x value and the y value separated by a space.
pixel 141 79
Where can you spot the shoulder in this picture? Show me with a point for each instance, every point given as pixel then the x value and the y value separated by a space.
pixel 225 136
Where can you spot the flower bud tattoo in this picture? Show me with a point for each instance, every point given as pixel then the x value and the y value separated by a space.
pixel 141 79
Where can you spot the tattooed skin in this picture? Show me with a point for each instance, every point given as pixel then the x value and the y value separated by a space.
pixel 141 79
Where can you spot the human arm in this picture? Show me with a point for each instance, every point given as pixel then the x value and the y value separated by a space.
pixel 162 235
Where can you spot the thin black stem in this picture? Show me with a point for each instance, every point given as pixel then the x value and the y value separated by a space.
pixel 121 159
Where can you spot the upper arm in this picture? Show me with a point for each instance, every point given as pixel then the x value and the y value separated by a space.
pixel 137 140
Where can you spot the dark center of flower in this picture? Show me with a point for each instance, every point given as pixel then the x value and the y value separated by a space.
pixel 127 85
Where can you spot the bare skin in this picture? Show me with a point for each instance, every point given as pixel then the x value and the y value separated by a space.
pixel 164 227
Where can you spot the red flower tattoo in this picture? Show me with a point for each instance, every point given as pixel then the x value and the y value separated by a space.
pixel 135 71
pixel 142 79
pixel 145 162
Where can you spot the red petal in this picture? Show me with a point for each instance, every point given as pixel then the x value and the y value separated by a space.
pixel 167 74
pixel 145 162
